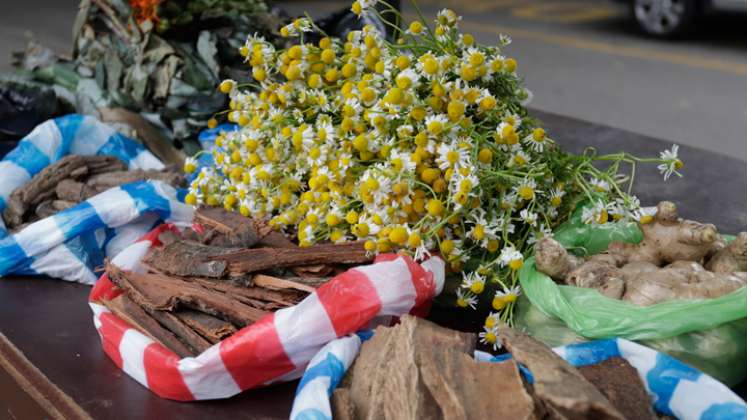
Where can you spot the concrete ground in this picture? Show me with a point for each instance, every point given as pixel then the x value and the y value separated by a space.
pixel 581 58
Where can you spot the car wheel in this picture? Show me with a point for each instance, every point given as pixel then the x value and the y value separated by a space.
pixel 664 18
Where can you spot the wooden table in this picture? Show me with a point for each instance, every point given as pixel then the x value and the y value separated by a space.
pixel 51 323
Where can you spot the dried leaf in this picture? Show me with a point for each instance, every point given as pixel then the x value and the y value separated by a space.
pixel 207 50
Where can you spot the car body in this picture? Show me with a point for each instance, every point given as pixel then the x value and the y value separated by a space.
pixel 668 18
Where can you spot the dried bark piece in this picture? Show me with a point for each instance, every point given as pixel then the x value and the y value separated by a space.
pixel 258 259
pixel 188 259
pixel 181 330
pixel 275 283
pixel 195 343
pixel 313 271
pixel 620 383
pixel 229 229
pixel 315 282
pixel 210 327
pixel 418 370
pixel 116 306
pixel 42 186
pixel 237 229
pixel 73 191
pixel 60 205
pixel 250 295
pixel 342 405
pixel 213 238
pixel 168 237
pixel 125 308
pixel 560 386
pixel 104 181
pixel 158 292
pixel 274 239
pixel 45 209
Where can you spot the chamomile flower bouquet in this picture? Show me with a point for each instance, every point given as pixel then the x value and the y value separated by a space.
pixel 419 146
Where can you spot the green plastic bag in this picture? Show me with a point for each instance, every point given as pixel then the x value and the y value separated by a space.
pixel 709 334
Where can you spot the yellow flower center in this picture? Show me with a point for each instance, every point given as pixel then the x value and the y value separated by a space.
pixel 602 217
pixel 430 65
pixel 435 127
pixel 526 192
pixel 499 303
pixel 477 287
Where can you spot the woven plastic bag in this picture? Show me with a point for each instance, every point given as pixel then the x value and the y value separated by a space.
pixel 709 334
pixel 276 348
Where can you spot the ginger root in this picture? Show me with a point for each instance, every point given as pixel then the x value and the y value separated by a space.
pixel 666 265
pixel 669 238
pixel 680 280
pixel 731 258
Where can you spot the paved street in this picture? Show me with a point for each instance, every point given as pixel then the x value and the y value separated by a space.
pixel 581 58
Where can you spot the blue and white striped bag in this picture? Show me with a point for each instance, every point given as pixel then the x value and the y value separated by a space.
pixel 71 244
pixel 675 389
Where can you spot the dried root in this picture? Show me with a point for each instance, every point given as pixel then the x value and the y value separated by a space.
pixel 680 280
pixel 666 265
pixel 553 259
pixel 731 258
pixel 669 238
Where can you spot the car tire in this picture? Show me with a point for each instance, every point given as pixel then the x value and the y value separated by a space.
pixel 664 18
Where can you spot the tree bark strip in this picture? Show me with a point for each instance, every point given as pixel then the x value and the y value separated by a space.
pixel 239 230
pixel 210 327
pixel 275 283
pixel 164 293
pixel 129 311
pixel 258 259
pixel 188 259
pixel 161 334
pixel 284 298
pixel 559 385
pixel 195 343
pixel 181 330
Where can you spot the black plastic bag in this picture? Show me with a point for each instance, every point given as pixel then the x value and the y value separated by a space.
pixel 23 107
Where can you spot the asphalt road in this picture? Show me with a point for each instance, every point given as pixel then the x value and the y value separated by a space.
pixel 580 58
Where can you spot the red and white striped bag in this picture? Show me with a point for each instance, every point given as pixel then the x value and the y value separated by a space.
pixel 280 345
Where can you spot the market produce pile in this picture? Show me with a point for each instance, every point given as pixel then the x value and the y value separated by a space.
pixel 677 259
pixel 420 146
pixel 160 58
pixel 203 285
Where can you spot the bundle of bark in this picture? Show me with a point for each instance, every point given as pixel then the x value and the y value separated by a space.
pixel 203 285
pixel 419 370
pixel 71 180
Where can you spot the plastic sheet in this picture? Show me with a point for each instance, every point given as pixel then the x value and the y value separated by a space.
pixel 708 334
pixel 277 347
pixel 72 243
